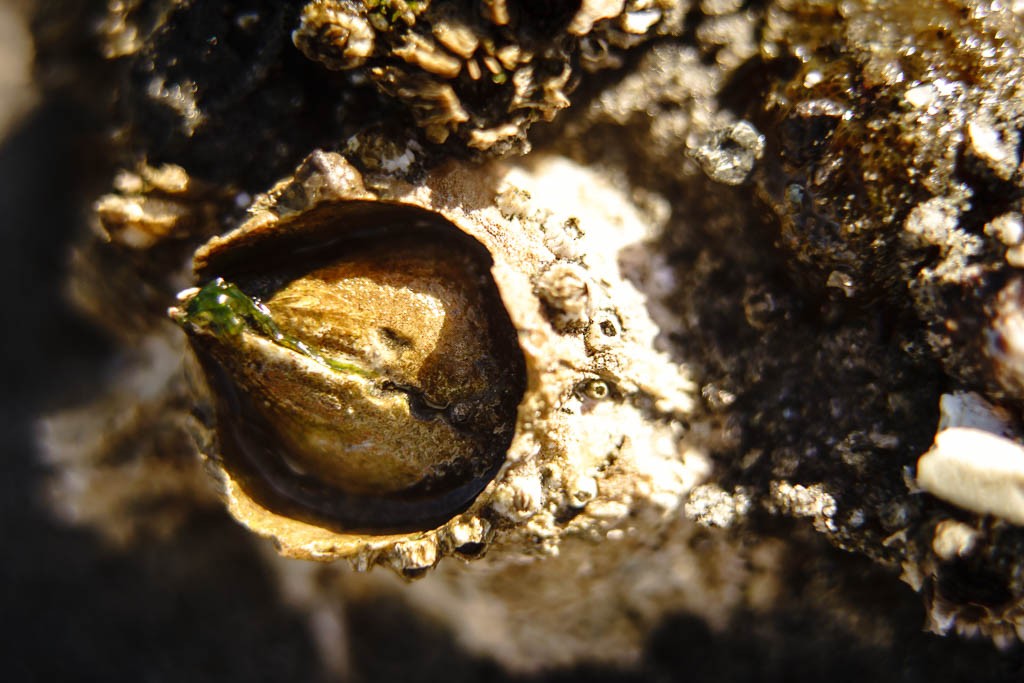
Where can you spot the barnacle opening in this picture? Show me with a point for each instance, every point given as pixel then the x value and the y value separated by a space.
pixel 365 376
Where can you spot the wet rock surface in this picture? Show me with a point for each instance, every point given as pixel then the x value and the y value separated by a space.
pixel 837 190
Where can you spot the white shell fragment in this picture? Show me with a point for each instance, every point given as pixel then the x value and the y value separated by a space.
pixel 954 539
pixel 968 409
pixel 975 470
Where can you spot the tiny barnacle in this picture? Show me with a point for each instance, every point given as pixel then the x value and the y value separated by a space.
pixel 596 389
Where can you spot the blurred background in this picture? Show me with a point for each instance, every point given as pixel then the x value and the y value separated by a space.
pixel 202 606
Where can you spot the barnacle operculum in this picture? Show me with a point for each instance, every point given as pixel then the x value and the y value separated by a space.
pixel 363 372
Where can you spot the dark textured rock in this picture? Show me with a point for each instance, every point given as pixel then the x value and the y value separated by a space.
pixel 840 186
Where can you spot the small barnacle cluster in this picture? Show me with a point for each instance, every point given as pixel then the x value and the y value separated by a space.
pixel 481 71
pixel 239 93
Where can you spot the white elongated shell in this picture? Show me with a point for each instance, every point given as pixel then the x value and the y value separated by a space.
pixel 975 470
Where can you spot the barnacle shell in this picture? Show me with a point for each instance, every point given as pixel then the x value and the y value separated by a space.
pixel 601 415
pixel 335 35
pixel 376 387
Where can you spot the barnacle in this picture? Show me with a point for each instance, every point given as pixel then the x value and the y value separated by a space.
pixel 378 368
pixel 375 387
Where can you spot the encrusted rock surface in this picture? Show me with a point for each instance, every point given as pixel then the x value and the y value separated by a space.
pixel 763 257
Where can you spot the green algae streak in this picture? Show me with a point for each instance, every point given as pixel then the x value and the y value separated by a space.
pixel 223 310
